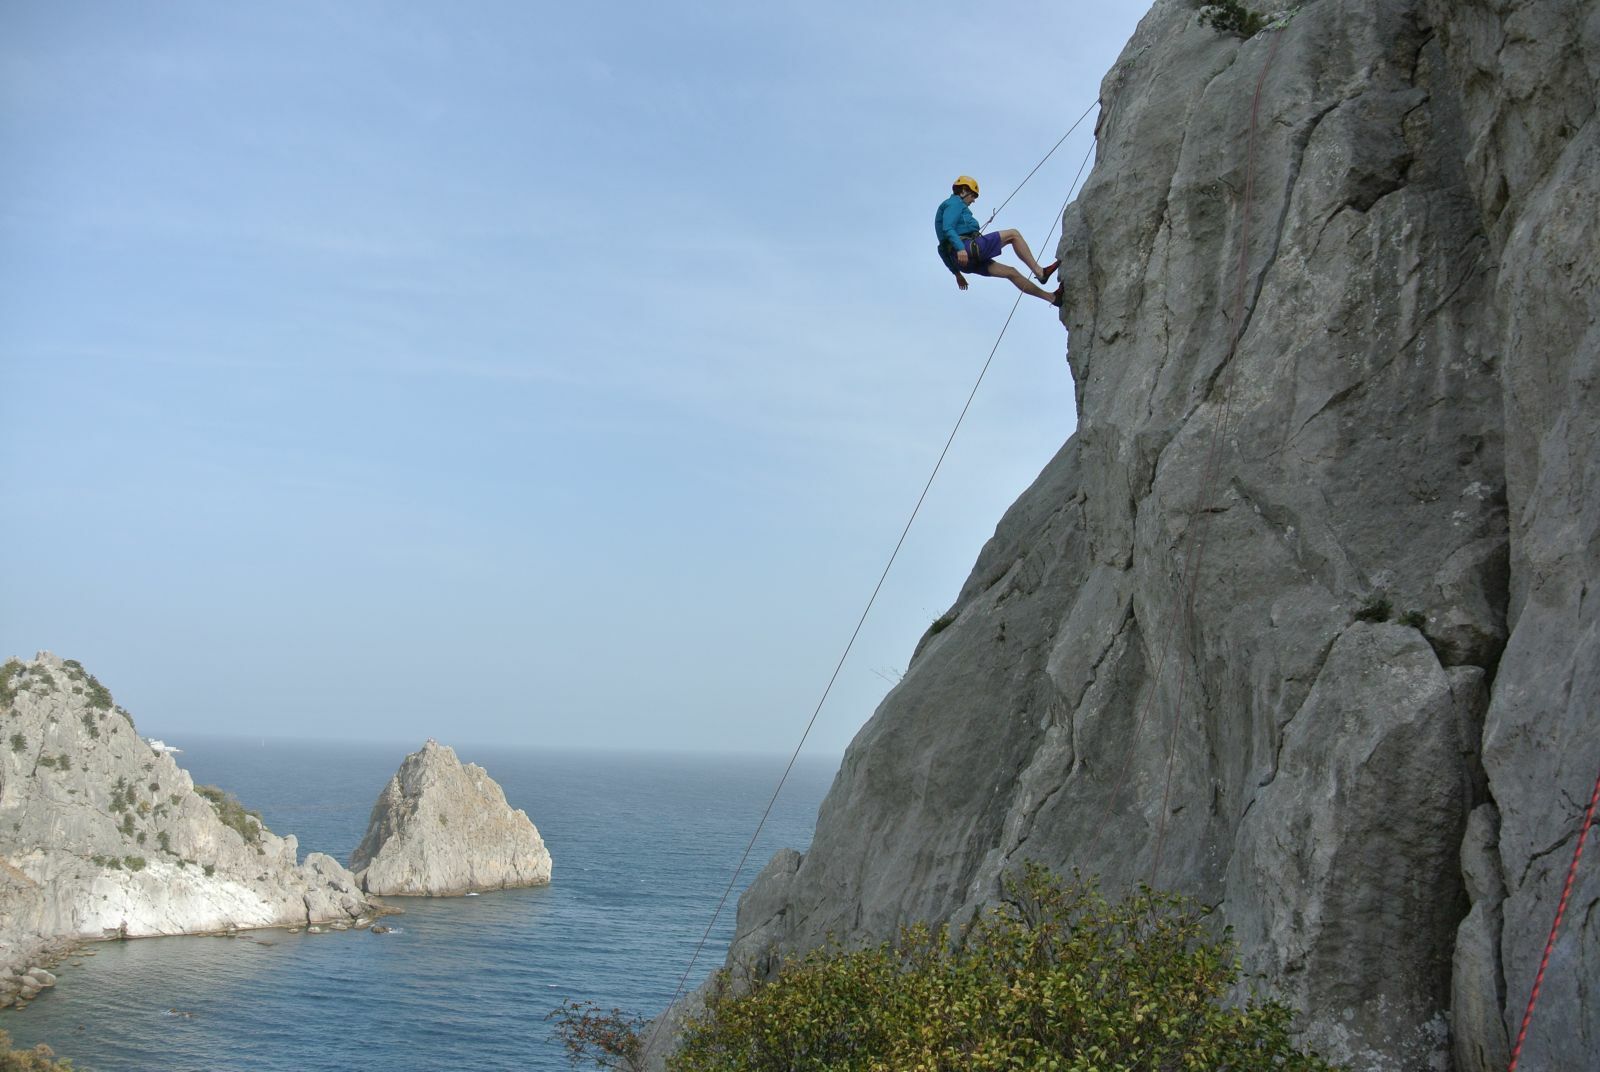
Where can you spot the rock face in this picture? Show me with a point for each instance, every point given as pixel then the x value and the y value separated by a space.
pixel 1295 622
pixel 102 836
pixel 440 829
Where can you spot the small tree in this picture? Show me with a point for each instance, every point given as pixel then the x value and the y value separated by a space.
pixel 609 1039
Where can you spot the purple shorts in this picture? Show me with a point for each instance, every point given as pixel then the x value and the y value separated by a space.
pixel 980 251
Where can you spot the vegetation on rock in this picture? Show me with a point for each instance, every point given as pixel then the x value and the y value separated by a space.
pixel 232 813
pixel 8 677
pixel 39 1059
pixel 1056 977
pixel 1230 16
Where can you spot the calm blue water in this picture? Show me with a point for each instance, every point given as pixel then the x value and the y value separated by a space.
pixel 643 847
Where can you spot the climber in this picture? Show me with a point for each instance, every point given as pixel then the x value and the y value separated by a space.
pixel 963 247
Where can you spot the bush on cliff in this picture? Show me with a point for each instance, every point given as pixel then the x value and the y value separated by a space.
pixel 1230 16
pixel 1056 977
pixel 232 813
pixel 8 682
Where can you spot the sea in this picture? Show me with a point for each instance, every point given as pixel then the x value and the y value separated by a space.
pixel 643 847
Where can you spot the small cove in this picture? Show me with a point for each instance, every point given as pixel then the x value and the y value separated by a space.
pixel 643 846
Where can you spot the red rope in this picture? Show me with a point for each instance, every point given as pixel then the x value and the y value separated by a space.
pixel 1561 910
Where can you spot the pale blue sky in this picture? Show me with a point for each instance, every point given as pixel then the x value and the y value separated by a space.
pixel 514 371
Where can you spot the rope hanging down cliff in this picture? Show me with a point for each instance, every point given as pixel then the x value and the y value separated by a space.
pixel 915 510
pixel 1555 927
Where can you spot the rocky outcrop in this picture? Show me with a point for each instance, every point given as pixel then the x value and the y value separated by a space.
pixel 103 836
pixel 441 829
pixel 1297 620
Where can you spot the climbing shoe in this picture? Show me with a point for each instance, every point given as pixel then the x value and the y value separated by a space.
pixel 1044 276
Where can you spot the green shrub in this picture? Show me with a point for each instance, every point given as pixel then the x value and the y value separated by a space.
pixel 1415 619
pixel 1057 977
pixel 134 863
pixel 8 681
pixel 39 1059
pixel 99 695
pixel 164 841
pixel 1230 16
pixel 210 869
pixel 18 742
pixel 89 724
pixel 233 814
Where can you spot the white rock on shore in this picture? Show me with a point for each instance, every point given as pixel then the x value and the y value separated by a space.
pixel 103 836
pixel 441 828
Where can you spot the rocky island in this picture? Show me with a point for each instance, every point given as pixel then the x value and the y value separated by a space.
pixel 441 828
pixel 104 836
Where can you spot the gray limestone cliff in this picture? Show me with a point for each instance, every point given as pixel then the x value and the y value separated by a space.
pixel 1297 624
pixel 440 829
pixel 101 835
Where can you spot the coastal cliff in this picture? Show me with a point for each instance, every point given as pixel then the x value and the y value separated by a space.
pixel 1296 622
pixel 441 828
pixel 103 836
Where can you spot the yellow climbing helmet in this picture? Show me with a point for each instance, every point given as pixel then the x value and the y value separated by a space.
pixel 965 180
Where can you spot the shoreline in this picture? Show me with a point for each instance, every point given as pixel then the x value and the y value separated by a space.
pixel 41 953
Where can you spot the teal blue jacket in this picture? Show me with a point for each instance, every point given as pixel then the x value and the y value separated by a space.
pixel 954 223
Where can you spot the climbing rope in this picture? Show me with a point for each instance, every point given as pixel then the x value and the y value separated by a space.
pixel 1561 910
pixel 744 857
pixel 1039 165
